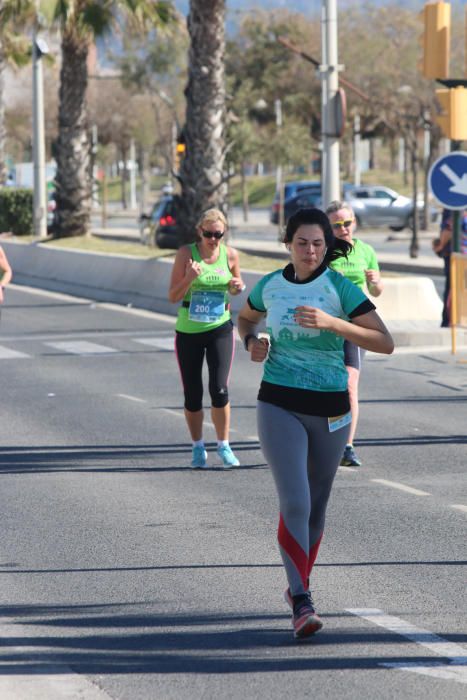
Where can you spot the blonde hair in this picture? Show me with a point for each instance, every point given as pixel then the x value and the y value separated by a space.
pixel 210 216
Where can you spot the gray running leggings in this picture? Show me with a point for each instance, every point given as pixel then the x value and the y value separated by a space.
pixel 303 456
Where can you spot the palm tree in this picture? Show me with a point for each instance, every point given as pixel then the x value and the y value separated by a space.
pixel 80 22
pixel 14 14
pixel 202 171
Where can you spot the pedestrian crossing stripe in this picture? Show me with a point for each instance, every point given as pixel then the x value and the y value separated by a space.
pixel 161 343
pixel 8 354
pixel 81 347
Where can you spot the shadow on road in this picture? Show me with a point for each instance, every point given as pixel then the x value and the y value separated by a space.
pixel 127 643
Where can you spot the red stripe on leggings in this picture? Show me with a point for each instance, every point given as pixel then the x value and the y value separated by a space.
pixel 313 554
pixel 294 551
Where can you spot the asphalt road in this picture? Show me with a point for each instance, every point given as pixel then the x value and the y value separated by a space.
pixel 125 575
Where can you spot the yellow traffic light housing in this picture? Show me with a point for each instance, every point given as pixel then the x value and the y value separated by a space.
pixel 436 40
pixel 453 117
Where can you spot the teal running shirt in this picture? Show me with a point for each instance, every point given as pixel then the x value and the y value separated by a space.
pixel 305 358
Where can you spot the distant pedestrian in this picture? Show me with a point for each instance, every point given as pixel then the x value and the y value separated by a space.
pixel 442 246
pixel 203 275
pixel 303 408
pixel 6 274
pixel 360 267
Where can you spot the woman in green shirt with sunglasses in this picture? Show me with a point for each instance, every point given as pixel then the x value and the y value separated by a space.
pixel 203 275
pixel 360 267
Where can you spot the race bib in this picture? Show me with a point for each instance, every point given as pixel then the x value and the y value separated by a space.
pixel 338 422
pixel 206 307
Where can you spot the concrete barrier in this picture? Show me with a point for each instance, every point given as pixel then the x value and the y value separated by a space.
pixel 121 279
pixel 411 298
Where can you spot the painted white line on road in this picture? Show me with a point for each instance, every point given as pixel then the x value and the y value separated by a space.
pixel 401 487
pixel 459 506
pixel 132 398
pixel 138 312
pixel 455 668
pixel 82 347
pixel 161 343
pixel 179 414
pixel 49 683
pixel 7 354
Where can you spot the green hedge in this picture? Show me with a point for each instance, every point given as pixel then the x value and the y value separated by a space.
pixel 16 206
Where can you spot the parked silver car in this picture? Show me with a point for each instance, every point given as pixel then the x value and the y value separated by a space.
pixel 380 206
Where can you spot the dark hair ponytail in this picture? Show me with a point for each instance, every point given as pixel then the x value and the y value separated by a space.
pixel 340 249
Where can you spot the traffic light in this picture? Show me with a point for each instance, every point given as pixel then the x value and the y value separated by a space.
pixel 436 40
pixel 180 150
pixel 453 118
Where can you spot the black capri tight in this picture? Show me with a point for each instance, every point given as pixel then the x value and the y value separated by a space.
pixel 218 346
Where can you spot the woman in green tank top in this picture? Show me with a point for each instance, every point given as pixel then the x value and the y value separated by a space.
pixel 203 275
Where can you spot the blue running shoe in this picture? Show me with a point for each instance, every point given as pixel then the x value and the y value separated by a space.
pixel 349 458
pixel 199 458
pixel 227 456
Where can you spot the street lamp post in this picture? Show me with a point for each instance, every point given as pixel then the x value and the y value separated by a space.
pixel 39 48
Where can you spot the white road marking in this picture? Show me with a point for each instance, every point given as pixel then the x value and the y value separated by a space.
pixel 459 506
pixel 455 668
pixel 179 414
pixel 44 681
pixel 132 398
pixel 7 354
pixel 401 487
pixel 82 347
pixel 162 343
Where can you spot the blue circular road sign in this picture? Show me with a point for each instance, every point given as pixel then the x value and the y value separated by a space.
pixel 447 180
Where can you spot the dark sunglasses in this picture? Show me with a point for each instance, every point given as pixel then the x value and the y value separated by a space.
pixel 342 224
pixel 213 234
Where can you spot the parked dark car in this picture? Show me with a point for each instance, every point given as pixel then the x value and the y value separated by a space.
pixel 160 226
pixel 292 190
pixel 303 200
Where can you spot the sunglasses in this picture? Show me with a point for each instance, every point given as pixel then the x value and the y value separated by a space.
pixel 213 234
pixel 342 224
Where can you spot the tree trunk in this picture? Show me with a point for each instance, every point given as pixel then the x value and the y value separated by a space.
pixel 202 174
pixel 3 173
pixel 73 182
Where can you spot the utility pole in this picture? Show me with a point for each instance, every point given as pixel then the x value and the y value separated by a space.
pixel 330 83
pixel 279 183
pixel 39 48
pixel 132 174
pixel 356 150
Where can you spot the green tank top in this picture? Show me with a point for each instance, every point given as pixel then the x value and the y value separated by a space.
pixel 204 306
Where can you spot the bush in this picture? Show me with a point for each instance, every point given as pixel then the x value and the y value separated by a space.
pixel 16 207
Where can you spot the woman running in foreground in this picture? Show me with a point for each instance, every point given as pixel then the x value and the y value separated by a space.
pixel 303 408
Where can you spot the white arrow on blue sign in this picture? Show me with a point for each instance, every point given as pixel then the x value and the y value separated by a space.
pixel 447 180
